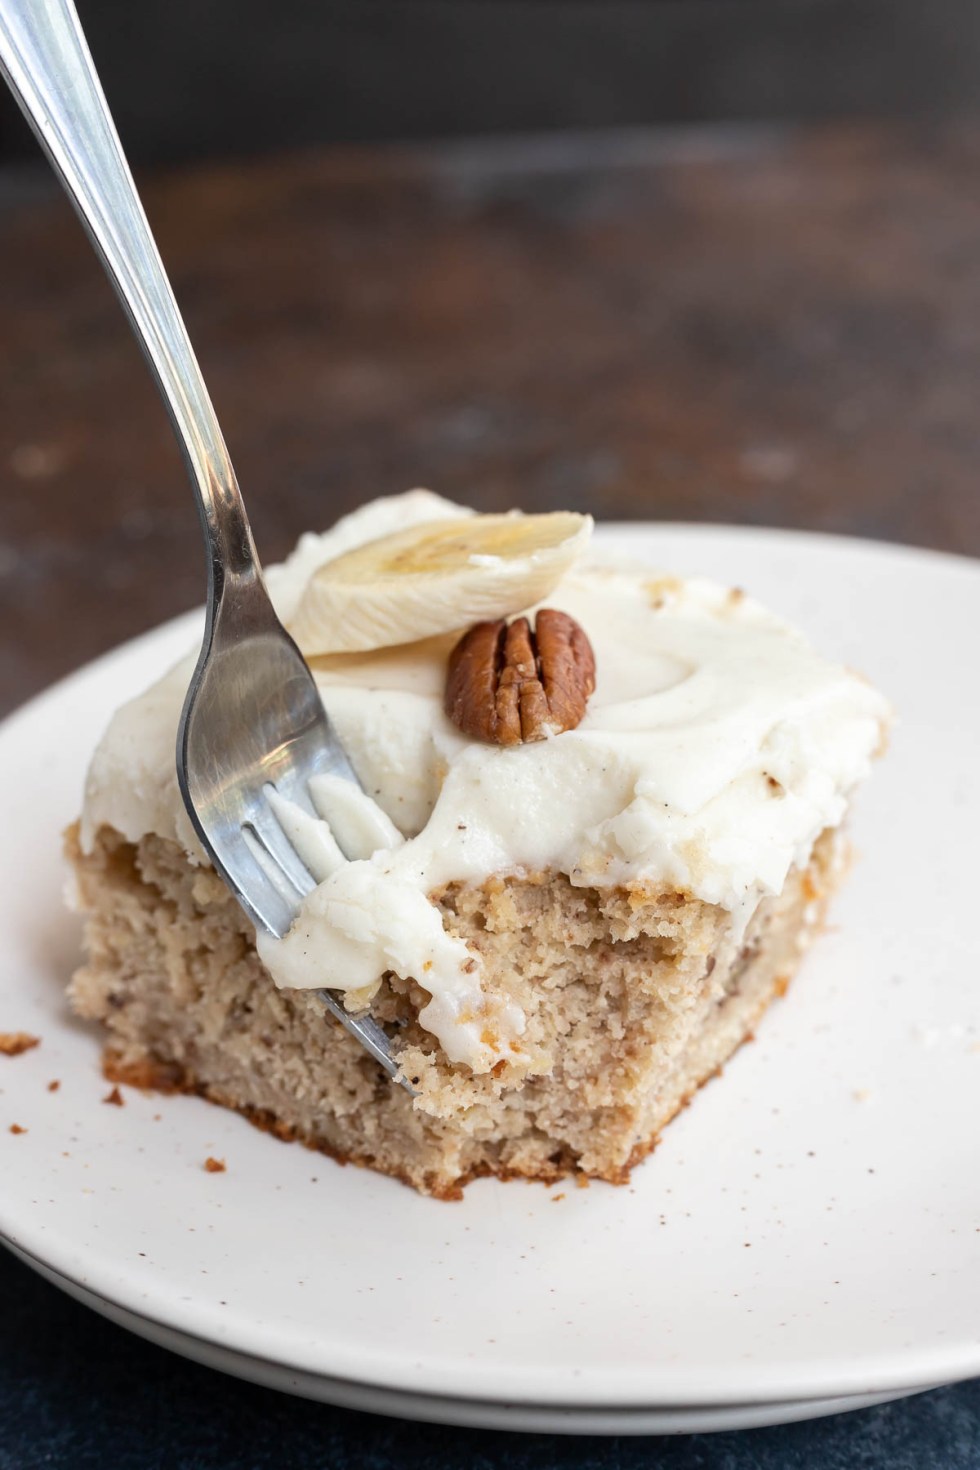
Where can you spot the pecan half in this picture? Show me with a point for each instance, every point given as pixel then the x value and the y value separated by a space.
pixel 507 684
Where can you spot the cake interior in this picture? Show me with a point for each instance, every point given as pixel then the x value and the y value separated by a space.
pixel 634 997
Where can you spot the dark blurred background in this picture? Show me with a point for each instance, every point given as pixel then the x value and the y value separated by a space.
pixel 687 259
pixel 207 78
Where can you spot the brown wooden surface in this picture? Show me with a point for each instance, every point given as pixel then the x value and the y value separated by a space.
pixel 742 326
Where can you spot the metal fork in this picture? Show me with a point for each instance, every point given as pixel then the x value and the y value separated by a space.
pixel 252 718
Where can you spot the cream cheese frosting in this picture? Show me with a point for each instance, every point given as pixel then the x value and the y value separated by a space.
pixel 715 749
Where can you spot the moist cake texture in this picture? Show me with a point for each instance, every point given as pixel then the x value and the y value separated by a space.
pixel 563 939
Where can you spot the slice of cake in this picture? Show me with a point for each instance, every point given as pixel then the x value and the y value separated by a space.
pixel 593 843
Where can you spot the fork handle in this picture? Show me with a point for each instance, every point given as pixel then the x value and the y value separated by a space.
pixel 47 63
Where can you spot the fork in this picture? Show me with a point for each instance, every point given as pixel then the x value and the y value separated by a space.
pixel 252 722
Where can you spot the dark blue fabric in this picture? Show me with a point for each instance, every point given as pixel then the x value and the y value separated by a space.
pixel 79 1393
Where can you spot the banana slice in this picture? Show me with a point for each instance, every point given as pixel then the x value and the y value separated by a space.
pixel 435 578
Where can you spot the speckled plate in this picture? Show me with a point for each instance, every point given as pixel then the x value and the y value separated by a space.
pixel 808 1230
pixel 475 1413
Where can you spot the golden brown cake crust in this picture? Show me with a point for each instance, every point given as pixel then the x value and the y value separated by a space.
pixel 150 1075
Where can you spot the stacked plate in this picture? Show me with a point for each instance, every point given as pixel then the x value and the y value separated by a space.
pixel 806 1238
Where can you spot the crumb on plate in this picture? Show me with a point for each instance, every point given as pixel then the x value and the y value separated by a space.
pixel 13 1043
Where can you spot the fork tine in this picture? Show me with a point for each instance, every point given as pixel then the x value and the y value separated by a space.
pixel 308 834
pixel 368 1032
pixel 266 830
pixel 271 872
pixel 358 823
pixel 258 882
pixel 292 785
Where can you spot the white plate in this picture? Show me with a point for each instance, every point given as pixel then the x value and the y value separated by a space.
pixel 809 1229
pixel 475 1413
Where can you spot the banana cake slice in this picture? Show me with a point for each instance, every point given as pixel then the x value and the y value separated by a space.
pixel 600 820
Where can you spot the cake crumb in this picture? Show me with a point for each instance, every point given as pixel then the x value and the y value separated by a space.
pixel 115 1098
pixel 215 1166
pixel 556 1197
pixel 13 1043
pixel 54 1084
pixel 16 1128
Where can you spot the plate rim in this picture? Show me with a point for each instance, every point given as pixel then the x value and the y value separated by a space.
pixel 544 1416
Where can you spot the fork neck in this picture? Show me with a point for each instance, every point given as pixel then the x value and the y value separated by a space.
pixel 233 564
